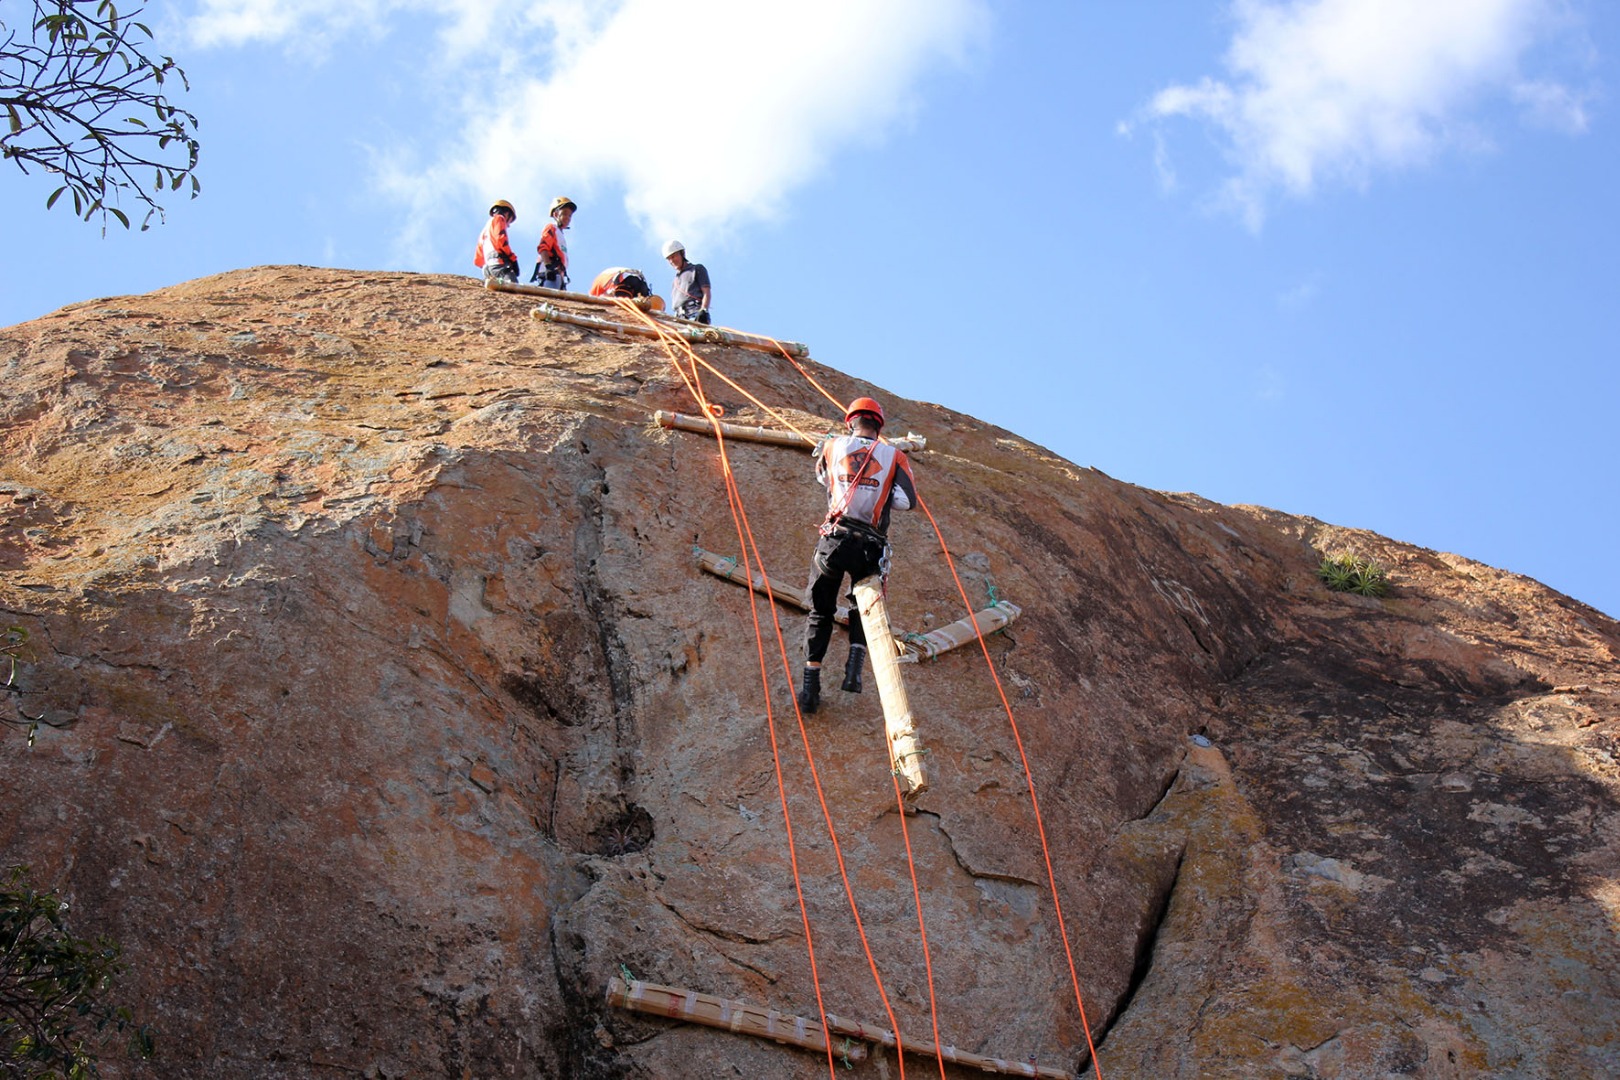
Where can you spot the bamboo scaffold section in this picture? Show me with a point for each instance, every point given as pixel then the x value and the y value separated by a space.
pixel 774 436
pixel 729 1015
pixel 915 647
pixel 954 635
pixel 716 1012
pixel 694 333
pixel 642 302
pixel 725 567
pixel 905 749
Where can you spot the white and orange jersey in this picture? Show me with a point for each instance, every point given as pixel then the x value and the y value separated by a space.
pixel 493 245
pixel 865 479
pixel 553 247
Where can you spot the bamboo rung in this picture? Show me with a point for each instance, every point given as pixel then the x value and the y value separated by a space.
pixel 696 333
pixel 727 1014
pixel 726 567
pixel 643 302
pixel 967 629
pixel 682 422
pixel 914 647
pixel 693 1007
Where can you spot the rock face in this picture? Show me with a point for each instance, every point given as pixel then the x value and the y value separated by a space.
pixel 387 716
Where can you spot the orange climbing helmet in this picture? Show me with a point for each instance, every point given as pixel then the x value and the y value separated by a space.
pixel 505 207
pixel 864 405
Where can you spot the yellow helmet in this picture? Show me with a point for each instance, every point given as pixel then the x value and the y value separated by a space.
pixel 502 204
pixel 560 202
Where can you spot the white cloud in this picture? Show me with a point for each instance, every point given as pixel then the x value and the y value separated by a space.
pixel 1301 295
pixel 751 98
pixel 314 25
pixel 1335 90
pixel 1552 105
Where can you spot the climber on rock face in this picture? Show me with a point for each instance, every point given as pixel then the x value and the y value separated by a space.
pixel 865 479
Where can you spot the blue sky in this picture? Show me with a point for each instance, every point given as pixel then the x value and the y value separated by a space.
pixel 1355 259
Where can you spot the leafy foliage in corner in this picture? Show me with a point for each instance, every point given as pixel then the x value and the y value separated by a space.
pixel 81 102
pixel 1353 574
pixel 53 1019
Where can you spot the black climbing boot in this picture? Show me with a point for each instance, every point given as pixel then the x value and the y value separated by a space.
pixel 852 668
pixel 810 690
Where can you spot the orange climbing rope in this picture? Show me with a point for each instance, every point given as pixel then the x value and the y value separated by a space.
pixel 1029 777
pixel 751 558
pixel 696 359
pixel 811 379
pixel 740 518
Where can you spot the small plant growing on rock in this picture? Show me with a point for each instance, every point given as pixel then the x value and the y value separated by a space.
pixel 11 643
pixel 1352 574
pixel 53 1016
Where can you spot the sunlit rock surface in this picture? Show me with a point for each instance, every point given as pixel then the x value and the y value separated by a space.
pixel 387 716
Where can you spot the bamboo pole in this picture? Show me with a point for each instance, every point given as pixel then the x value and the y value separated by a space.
pixel 776 437
pixel 728 1015
pixel 914 648
pixel 696 333
pixel 905 750
pixel 969 628
pixel 683 422
pixel 691 1006
pixel 884 1038
pixel 726 567
pixel 642 302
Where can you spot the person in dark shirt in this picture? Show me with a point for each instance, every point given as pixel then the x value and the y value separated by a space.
pixel 689 296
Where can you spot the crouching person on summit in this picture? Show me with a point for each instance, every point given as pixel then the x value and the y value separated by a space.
pixel 865 479
pixel 494 252
pixel 626 284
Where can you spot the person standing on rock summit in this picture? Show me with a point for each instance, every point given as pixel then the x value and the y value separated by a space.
pixel 689 295
pixel 865 479
pixel 551 256
pixel 494 252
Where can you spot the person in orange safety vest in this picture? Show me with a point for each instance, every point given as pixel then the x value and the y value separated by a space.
pixel 551 268
pixel 494 252
pixel 627 284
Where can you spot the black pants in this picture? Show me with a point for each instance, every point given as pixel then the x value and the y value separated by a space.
pixel 858 554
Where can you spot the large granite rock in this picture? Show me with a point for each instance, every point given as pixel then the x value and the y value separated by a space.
pixel 387 716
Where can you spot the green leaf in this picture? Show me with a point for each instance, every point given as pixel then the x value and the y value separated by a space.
pixel 1350 573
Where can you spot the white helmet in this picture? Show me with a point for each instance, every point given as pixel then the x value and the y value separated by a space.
pixel 672 247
